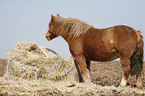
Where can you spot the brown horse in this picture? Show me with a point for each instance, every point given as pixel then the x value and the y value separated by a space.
pixel 88 43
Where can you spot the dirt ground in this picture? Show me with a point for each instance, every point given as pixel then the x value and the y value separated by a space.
pixel 102 73
pixel 110 73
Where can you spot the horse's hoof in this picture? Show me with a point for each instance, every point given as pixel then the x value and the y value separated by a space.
pixel 139 86
pixel 122 85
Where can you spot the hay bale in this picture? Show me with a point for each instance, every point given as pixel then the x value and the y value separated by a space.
pixel 29 60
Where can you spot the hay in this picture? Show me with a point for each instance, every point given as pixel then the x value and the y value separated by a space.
pixel 41 87
pixel 29 60
pixel 35 71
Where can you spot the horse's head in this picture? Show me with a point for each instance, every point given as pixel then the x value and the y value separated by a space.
pixel 51 33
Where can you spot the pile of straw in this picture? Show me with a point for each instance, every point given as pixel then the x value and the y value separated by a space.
pixel 29 60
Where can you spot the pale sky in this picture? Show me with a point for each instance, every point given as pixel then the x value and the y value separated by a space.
pixel 27 20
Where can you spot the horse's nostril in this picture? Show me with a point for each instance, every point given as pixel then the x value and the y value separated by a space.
pixel 48 38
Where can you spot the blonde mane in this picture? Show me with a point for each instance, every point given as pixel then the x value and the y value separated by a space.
pixel 70 27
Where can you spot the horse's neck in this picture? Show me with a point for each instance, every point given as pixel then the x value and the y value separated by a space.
pixel 90 30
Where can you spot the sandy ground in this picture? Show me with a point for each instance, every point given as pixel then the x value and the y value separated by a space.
pixel 102 73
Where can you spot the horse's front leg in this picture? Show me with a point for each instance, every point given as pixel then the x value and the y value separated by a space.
pixel 81 61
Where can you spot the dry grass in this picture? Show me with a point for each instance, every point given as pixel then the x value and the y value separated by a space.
pixel 15 86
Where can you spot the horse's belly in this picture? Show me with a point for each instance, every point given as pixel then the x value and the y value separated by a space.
pixel 101 55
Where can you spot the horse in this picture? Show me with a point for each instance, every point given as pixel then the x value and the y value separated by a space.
pixel 87 43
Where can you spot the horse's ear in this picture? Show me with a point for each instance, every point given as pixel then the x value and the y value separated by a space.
pixel 52 17
pixel 58 15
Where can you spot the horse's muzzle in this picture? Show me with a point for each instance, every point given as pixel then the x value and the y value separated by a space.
pixel 48 38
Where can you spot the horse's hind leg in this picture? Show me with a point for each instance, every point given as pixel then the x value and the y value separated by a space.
pixel 138 81
pixel 126 71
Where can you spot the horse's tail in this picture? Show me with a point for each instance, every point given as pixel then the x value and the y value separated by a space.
pixel 136 60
